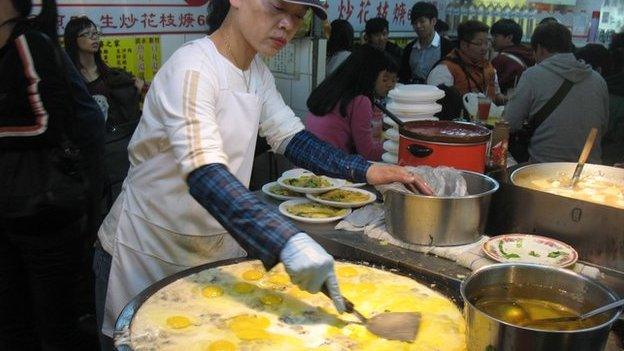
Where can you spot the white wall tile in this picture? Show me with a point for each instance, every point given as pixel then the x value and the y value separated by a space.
pixel 284 86
pixel 169 44
pixel 300 91
pixel 304 56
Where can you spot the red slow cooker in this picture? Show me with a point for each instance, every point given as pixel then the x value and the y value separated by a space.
pixel 460 145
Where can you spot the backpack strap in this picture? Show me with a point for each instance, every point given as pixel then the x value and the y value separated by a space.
pixel 550 106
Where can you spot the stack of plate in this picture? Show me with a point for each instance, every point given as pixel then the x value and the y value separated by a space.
pixel 411 102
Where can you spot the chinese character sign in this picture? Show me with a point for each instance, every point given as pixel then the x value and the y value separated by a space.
pixel 397 12
pixel 137 19
pixel 138 55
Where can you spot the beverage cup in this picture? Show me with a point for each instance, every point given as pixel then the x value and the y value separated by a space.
pixel 483 111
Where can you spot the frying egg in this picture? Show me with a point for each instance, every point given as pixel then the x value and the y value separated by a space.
pixel 221 310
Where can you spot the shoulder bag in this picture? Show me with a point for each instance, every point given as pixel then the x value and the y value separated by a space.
pixel 519 141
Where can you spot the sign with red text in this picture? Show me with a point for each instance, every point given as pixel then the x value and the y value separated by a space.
pixel 357 12
pixel 132 17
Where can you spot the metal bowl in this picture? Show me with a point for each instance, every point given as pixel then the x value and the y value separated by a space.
pixel 525 280
pixel 441 221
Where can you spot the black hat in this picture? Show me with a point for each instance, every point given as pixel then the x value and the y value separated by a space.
pixel 316 5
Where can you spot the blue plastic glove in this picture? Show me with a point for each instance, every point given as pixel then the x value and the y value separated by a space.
pixel 310 266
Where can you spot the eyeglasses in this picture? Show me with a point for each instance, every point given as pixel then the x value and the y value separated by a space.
pixel 91 35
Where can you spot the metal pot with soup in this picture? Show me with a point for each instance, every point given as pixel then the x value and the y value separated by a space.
pixel 503 302
pixel 598 184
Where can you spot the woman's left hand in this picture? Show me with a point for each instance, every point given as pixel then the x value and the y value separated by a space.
pixel 383 174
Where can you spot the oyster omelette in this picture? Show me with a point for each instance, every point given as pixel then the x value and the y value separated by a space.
pixel 243 307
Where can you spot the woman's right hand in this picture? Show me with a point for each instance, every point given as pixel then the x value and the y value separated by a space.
pixel 383 174
pixel 311 267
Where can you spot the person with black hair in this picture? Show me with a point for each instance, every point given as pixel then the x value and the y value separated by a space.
pixel 45 125
pixel 117 91
pixel 513 57
pixel 466 67
pixel 376 32
pixel 421 54
pixel 185 201
pixel 578 94
pixel 339 45
pixel 548 20
pixel 341 107
pixel 608 62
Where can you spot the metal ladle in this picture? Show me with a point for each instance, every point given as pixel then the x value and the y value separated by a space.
pixel 581 317
pixel 589 143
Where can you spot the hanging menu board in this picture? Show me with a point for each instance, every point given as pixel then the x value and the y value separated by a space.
pixel 139 55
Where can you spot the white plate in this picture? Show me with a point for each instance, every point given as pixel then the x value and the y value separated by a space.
pixel 295 172
pixel 336 183
pixel 392 134
pixel 407 110
pixel 410 93
pixel 391 123
pixel 266 189
pixel 530 249
pixel 390 158
pixel 353 185
pixel 391 146
pixel 371 198
pixel 284 205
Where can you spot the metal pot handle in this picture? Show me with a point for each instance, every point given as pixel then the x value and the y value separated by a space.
pixel 419 150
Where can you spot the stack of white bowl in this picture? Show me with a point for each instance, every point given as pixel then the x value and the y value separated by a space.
pixel 410 102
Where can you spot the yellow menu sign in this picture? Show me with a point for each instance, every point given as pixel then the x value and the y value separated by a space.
pixel 139 55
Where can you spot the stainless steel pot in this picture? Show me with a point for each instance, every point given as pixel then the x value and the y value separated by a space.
pixel 485 333
pixel 441 221
pixel 552 169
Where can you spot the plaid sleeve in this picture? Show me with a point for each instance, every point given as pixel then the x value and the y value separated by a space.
pixel 262 231
pixel 307 151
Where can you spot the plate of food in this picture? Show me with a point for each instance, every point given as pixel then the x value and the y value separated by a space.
pixel 353 185
pixel 344 197
pixel 295 172
pixel 275 190
pixel 530 249
pixel 308 211
pixel 309 183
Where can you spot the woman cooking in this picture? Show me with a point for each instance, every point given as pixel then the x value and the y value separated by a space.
pixel 184 202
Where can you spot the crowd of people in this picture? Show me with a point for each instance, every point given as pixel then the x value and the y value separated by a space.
pixel 67 118
pixel 554 93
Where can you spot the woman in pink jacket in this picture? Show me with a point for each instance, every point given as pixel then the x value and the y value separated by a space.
pixel 341 107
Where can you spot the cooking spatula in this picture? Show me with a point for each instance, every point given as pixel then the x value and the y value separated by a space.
pixel 402 326
pixel 589 143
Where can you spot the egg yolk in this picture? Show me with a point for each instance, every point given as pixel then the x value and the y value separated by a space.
pixel 271 299
pixel 245 321
pixel 279 279
pixel 221 345
pixel 252 274
pixel 243 288
pixel 247 327
pixel 178 322
pixel 346 272
pixel 212 291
